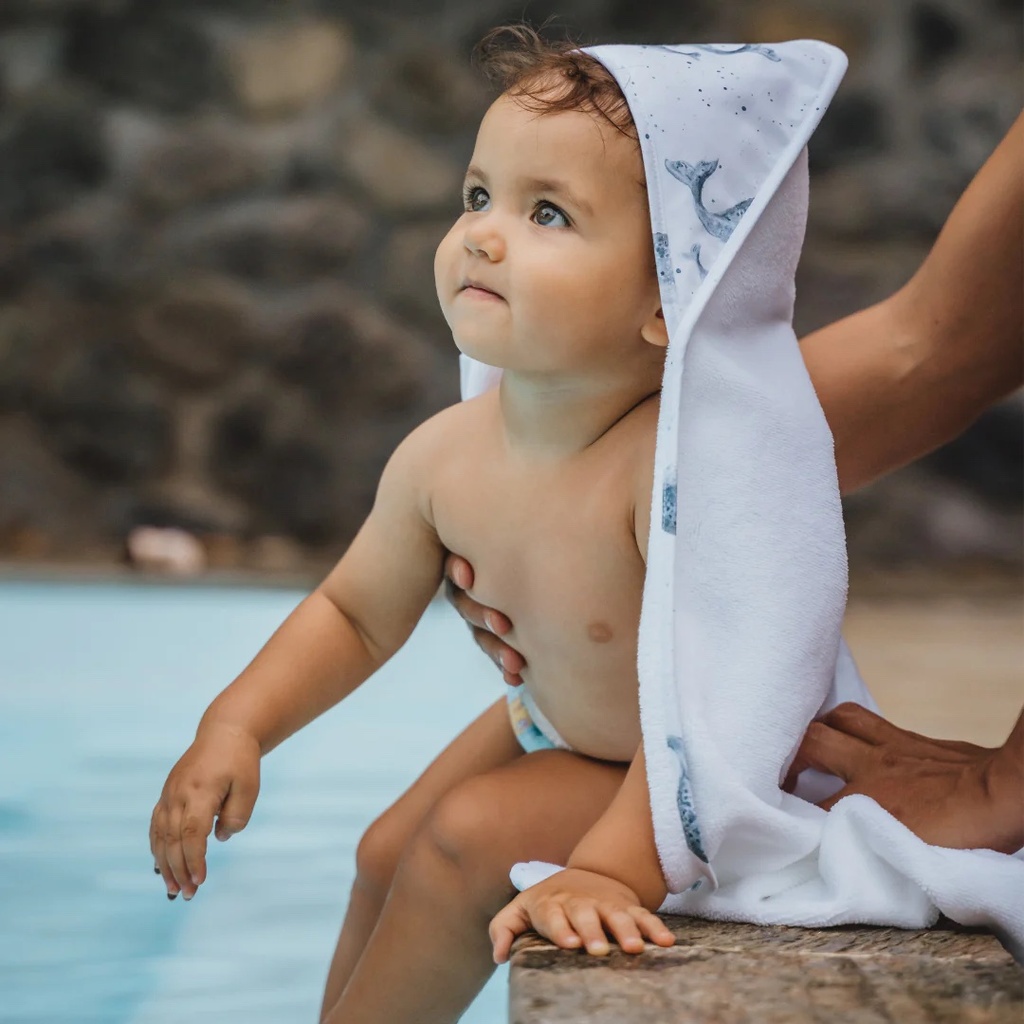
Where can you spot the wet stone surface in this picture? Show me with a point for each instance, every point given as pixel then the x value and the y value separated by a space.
pixel 721 973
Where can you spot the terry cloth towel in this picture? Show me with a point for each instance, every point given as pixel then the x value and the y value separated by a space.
pixel 740 645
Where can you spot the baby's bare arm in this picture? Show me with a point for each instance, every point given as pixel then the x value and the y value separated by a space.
pixel 356 619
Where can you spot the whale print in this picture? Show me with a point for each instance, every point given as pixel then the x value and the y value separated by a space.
pixel 662 257
pixel 694 254
pixel 668 503
pixel 722 51
pixel 684 802
pixel 721 225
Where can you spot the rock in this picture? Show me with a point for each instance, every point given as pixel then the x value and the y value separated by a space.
pixel 292 482
pixel 165 550
pixel 52 152
pixel 197 328
pixel 277 554
pixel 935 35
pixel 400 174
pixel 104 419
pixel 284 241
pixel 144 54
pixel 29 58
pixel 853 126
pixel 278 68
pixel 429 89
pixel 407 274
pixel 207 161
pixel 42 498
pixel 348 355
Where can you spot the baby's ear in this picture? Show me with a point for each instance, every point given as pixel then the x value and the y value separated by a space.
pixel 655 331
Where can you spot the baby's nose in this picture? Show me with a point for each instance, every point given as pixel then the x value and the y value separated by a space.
pixel 484 239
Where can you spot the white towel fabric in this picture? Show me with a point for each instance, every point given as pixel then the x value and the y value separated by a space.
pixel 740 642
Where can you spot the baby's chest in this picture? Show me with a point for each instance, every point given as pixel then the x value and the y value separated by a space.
pixel 555 552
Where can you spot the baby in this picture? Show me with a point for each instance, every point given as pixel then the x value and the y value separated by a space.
pixel 544 484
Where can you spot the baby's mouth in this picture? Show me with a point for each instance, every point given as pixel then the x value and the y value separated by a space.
pixel 478 290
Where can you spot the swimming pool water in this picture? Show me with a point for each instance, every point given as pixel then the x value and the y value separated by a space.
pixel 101 687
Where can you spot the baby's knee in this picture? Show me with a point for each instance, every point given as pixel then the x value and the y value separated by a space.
pixel 379 852
pixel 466 834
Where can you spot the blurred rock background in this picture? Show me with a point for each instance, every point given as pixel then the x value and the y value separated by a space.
pixel 217 223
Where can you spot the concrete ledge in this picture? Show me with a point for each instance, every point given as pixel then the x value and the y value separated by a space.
pixel 741 974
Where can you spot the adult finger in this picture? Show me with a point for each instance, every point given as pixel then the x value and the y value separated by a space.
pixel 858 721
pixel 459 571
pixel 653 927
pixel 830 750
pixel 585 921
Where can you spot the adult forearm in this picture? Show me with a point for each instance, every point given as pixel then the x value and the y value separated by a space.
pixel 621 844
pixel 315 659
pixel 905 376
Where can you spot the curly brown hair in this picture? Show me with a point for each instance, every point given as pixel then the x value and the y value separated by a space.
pixel 547 76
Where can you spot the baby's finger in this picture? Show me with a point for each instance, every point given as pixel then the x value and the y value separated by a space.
pixel 653 927
pixel 237 808
pixel 552 923
pixel 503 929
pixel 586 921
pixel 622 926
pixel 158 849
pixel 196 824
pixel 175 855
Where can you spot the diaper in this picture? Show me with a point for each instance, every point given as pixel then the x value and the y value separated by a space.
pixel 530 724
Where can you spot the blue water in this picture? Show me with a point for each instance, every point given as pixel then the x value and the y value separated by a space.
pixel 101 687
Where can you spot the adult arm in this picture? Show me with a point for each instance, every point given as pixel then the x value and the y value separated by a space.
pixel 900 378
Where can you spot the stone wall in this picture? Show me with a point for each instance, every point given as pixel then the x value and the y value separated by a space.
pixel 217 221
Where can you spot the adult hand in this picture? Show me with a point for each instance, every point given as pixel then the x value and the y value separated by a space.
pixel 487 624
pixel 949 793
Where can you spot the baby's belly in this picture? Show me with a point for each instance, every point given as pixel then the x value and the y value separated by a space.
pixel 594 710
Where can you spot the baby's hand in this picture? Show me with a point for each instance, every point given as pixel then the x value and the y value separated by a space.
pixel 218 775
pixel 577 908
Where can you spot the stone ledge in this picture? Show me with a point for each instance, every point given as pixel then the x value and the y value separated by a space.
pixel 720 973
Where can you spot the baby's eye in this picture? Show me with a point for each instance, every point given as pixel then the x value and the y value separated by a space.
pixel 475 198
pixel 547 215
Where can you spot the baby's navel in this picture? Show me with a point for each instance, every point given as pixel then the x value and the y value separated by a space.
pixel 599 632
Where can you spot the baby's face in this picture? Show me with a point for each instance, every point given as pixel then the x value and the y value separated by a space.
pixel 551 267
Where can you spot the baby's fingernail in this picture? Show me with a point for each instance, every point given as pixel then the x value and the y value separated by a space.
pixel 172 895
pixel 489 621
pixel 572 940
pixel 156 871
pixel 187 896
pixel 195 880
pixel 598 948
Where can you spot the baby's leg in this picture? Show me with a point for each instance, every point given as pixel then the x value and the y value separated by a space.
pixel 484 744
pixel 430 954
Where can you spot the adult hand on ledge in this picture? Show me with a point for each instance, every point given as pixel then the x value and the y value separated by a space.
pixel 949 793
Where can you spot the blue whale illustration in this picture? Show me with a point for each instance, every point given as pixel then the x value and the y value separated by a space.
pixel 723 51
pixel 684 802
pixel 721 225
pixel 694 254
pixel 764 51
